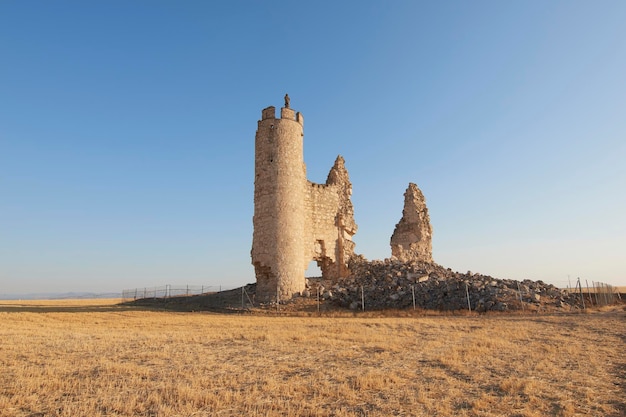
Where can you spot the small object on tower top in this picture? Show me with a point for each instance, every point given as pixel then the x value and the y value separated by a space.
pixel 286 101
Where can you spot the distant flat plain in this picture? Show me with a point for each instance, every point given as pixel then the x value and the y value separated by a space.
pixel 98 358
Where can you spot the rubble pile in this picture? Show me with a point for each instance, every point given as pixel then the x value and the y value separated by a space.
pixel 393 284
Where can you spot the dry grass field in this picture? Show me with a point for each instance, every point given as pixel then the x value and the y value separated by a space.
pixel 94 358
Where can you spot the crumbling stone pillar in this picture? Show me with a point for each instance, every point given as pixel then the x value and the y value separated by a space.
pixel 412 237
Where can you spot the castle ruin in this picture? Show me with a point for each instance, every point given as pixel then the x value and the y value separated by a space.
pixel 295 220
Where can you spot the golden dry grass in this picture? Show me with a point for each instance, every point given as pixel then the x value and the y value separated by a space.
pixel 65 359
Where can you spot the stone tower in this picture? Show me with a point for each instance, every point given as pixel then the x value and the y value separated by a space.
pixel 412 238
pixel 295 220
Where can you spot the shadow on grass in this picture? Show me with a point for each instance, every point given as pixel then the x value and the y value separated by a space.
pixel 229 301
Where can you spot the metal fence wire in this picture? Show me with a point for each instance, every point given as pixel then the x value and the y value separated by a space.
pixel 597 294
pixel 167 291
pixel 591 294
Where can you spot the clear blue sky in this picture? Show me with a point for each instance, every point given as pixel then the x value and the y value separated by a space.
pixel 127 133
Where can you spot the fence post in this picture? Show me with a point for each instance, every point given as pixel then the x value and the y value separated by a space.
pixel 469 306
pixel 242 290
pixel 580 291
pixel 589 293
pixel 362 299
pixel 413 293
pixel 521 300
pixel 318 299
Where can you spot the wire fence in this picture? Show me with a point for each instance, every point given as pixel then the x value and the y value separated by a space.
pixel 168 291
pixel 594 294
pixel 597 294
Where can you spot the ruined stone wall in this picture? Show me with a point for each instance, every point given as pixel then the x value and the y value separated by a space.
pixel 296 221
pixel 332 222
pixel 344 219
pixel 321 230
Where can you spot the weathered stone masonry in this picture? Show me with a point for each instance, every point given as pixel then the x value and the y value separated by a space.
pixel 295 220
pixel 412 238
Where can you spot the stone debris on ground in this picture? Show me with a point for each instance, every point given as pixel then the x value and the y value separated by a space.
pixel 393 284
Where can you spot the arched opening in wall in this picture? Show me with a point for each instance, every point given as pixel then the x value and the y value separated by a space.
pixel 313 270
